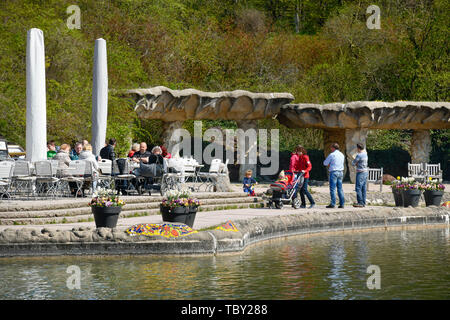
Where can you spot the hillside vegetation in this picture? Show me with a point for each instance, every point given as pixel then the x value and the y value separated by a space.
pixel 320 51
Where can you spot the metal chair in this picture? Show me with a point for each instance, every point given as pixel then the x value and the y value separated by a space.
pixel 211 176
pixel 123 178
pixel 90 176
pixel 76 170
pixel 105 179
pixel 46 180
pixel 23 182
pixel 6 172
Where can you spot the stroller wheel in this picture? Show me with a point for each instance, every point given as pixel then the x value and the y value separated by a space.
pixel 279 205
pixel 296 203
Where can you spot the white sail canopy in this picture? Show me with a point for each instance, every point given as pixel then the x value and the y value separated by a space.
pixel 36 131
pixel 99 97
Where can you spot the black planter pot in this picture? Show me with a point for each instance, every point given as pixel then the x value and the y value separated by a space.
pixel 190 219
pixel 397 198
pixel 106 217
pixel 411 197
pixel 193 209
pixel 164 209
pixel 179 215
pixel 433 197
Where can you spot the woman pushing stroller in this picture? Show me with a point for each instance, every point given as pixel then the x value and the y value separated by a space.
pixel 300 163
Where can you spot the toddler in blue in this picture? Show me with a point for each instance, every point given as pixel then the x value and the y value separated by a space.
pixel 249 182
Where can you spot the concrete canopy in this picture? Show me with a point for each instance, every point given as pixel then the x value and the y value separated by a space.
pixel 367 114
pixel 178 105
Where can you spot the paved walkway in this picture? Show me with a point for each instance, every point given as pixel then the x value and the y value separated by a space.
pixel 213 218
pixel 203 219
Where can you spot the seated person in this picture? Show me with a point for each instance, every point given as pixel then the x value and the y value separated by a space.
pixel 153 160
pixel 135 148
pixel 87 155
pixel 63 157
pixel 164 153
pixel 51 149
pixel 75 153
pixel 280 185
pixel 156 156
pixel 143 155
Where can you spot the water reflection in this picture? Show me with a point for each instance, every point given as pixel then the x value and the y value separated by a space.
pixel 413 264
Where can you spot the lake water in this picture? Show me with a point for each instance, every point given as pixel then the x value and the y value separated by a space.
pixel 413 264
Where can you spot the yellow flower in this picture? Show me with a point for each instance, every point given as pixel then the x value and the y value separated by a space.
pixel 398 178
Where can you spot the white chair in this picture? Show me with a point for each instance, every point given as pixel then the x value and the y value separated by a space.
pixel 416 171
pixel 210 177
pixel 433 171
pixel 76 172
pixel 105 169
pixel 375 176
pixel 46 180
pixel 6 172
pixel 90 176
pixel 125 176
pixel 22 178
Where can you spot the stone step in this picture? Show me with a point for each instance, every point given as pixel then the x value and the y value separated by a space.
pixel 124 214
pixel 128 207
pixel 66 203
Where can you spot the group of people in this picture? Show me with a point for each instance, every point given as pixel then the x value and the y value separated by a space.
pixel 64 154
pixel 83 151
pixel 300 163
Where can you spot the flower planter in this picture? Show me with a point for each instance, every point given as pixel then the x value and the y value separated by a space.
pixel 106 217
pixel 179 215
pixel 398 198
pixel 411 197
pixel 433 197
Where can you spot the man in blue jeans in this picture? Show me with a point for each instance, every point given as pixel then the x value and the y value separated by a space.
pixel 335 164
pixel 361 176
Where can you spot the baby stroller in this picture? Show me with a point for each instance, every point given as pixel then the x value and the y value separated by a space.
pixel 284 192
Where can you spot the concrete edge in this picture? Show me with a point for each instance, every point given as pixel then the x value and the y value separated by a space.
pixel 250 231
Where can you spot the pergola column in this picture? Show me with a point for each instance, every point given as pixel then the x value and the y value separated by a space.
pixel 169 139
pixel 352 137
pixel 246 163
pixel 420 146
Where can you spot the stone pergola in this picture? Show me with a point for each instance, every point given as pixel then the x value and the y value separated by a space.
pixel 349 123
pixel 346 123
pixel 173 107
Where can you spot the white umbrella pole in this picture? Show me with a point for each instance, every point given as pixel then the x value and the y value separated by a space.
pixel 36 131
pixel 99 97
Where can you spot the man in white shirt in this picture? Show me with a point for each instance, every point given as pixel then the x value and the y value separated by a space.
pixel 335 164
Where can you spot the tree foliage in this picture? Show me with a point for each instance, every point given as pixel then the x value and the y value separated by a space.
pixel 320 51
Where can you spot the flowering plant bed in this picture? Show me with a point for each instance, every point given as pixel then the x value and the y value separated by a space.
pixel 432 185
pixel 179 206
pixel 106 198
pixel 179 199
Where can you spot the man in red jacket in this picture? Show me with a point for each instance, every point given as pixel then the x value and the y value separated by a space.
pixel 300 162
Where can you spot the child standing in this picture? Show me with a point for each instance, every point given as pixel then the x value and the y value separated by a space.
pixel 249 182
